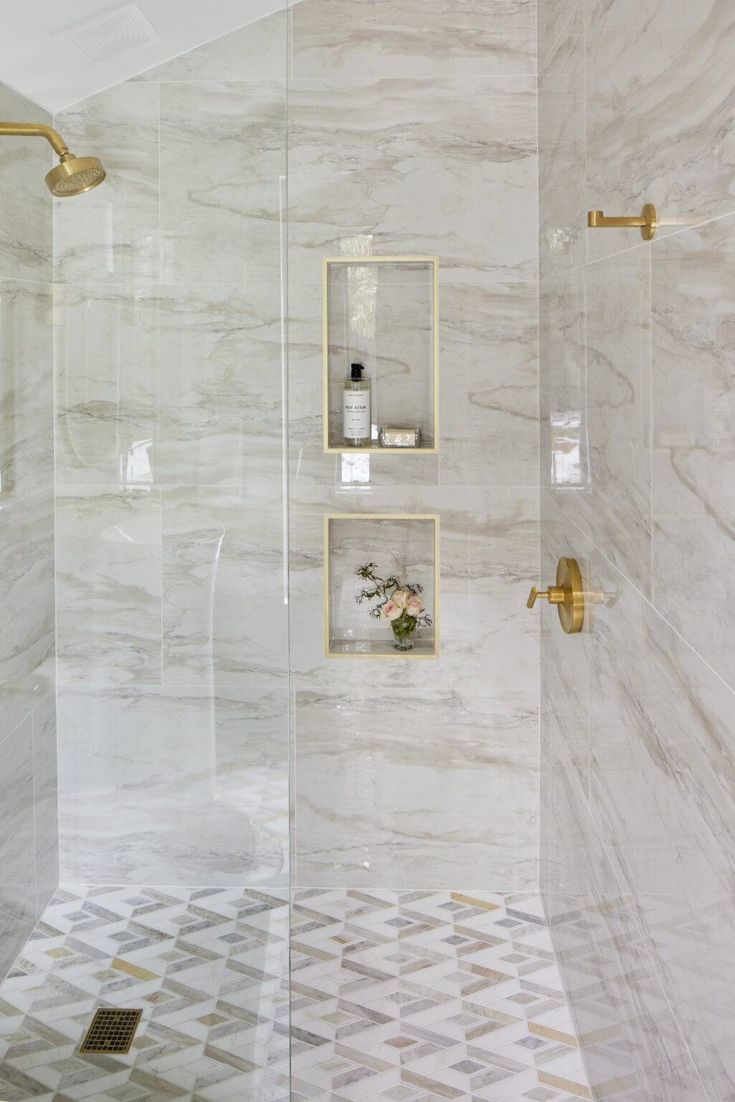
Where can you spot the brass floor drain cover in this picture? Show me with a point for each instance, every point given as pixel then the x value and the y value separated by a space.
pixel 112 1030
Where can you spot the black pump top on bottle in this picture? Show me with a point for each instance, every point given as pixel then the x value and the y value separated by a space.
pixel 356 371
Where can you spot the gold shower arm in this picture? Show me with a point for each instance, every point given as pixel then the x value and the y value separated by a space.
pixel 35 130
pixel 647 220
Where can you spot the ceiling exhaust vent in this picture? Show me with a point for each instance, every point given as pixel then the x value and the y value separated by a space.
pixel 113 33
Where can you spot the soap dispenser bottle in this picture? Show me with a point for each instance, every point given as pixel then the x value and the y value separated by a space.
pixel 356 427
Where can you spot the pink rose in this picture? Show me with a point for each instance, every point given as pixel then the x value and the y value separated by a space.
pixel 414 605
pixel 400 597
pixel 391 611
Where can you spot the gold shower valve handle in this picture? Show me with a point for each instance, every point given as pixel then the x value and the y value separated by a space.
pixel 568 595
pixel 554 594
pixel 647 221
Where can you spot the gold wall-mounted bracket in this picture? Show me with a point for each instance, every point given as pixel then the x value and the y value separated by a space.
pixel 648 221
pixel 568 595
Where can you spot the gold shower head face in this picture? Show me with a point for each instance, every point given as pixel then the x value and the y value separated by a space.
pixel 74 175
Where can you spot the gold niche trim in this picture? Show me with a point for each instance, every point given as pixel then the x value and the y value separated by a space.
pixel 409 258
pixel 391 654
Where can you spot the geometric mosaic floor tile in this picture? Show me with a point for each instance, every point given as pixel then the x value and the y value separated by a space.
pixel 395 997
pixel 208 968
pixel 427 996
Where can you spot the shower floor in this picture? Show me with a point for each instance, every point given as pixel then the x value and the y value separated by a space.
pixel 208 968
pixel 395 996
pixel 428 996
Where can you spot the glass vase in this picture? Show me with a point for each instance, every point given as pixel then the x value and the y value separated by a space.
pixel 404 633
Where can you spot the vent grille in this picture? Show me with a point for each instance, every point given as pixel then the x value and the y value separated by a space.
pixel 112 1030
pixel 112 33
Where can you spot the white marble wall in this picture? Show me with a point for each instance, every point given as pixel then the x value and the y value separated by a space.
pixel 28 812
pixel 638 714
pixel 172 643
pixel 412 129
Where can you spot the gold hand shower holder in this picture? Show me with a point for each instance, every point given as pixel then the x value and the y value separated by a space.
pixel 647 221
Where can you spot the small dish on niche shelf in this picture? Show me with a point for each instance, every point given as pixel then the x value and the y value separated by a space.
pixel 405 545
pixel 382 312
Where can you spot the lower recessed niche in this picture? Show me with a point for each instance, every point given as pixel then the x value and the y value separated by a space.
pixel 403 546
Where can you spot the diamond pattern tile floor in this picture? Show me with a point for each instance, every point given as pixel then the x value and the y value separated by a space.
pixel 208 968
pixel 421 996
pixel 395 997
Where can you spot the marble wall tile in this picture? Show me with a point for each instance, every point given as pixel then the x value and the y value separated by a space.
pixel 489 384
pixel 411 38
pixel 27 603
pixel 254 52
pixel 397 790
pixel 221 385
pixel 109 586
pixel 25 224
pixel 223 156
pixel 661 731
pixel 630 1036
pixel 26 389
pixel 552 17
pixel 562 145
pixel 109 353
pixel 660 99
pixel 224 600
pixel 637 766
pixel 565 465
pixel 17 883
pixel 45 799
pixel 353 748
pixel 565 660
pixel 408 166
pixel 694 942
pixel 662 793
pixel 202 801
pixel 169 386
pixel 596 404
pixel 489 560
pixel 28 837
pixel 694 441
pixel 174 716
pixel 617 507
pixel 412 130
pixel 111 234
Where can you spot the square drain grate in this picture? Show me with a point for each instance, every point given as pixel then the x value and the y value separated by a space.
pixel 112 1030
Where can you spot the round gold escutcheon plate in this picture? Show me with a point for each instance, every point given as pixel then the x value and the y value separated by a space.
pixel 571 609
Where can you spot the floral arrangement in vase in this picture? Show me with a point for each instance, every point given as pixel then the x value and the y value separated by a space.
pixel 398 602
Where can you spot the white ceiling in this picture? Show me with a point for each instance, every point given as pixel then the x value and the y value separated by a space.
pixel 38 60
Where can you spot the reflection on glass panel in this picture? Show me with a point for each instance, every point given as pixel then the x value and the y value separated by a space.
pixel 569 464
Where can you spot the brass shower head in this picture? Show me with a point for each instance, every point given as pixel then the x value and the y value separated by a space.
pixel 72 175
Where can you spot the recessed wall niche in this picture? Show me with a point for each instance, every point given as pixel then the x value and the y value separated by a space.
pixel 382 311
pixel 403 545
